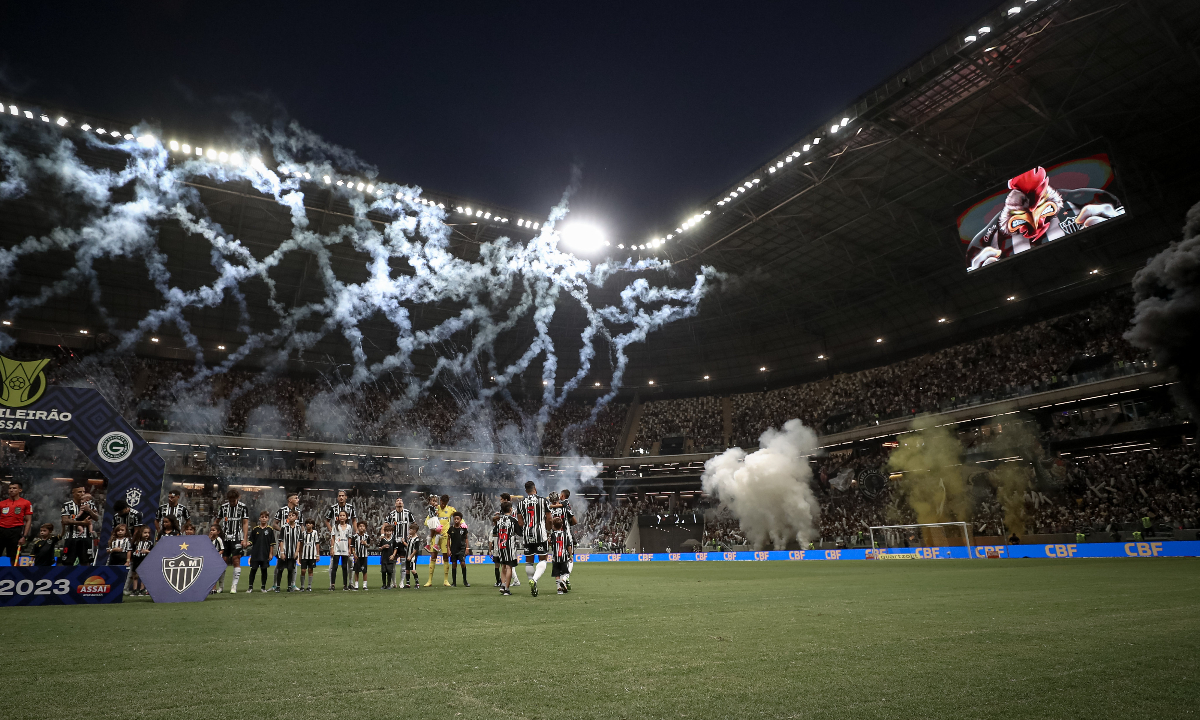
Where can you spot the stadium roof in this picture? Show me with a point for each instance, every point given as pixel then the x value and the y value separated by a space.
pixel 844 244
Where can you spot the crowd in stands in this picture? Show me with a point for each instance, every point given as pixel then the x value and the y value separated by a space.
pixel 699 419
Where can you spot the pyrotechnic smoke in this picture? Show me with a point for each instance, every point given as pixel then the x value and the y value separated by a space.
pixel 118 215
pixel 931 460
pixel 1166 319
pixel 768 490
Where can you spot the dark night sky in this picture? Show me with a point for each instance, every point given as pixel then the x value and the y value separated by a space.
pixel 663 106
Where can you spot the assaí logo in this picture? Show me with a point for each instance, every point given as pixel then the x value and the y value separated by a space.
pixel 94 586
pixel 21 383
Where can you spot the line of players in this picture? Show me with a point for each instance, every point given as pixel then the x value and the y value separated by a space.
pixel 537 527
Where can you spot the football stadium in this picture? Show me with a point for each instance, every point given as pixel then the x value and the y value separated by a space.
pixel 818 444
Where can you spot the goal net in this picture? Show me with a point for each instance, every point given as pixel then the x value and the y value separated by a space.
pixel 895 538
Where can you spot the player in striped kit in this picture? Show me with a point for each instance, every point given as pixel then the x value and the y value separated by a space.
pixel 561 508
pixel 401 520
pixel 233 518
pixel 560 552
pixel 310 553
pixel 331 515
pixel 292 507
pixel 288 551
pixel 534 519
pixel 508 539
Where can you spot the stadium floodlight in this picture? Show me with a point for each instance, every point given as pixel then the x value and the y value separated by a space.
pixel 816 141
pixel 806 147
pixel 1011 298
pixel 200 152
pixel 115 133
pixel 651 382
pixel 582 236
pixel 970 39
pixel 788 158
pixel 174 145
pixel 763 368
pixel 820 357
pixel 705 377
pixel 186 148
pixel 597 384
pixel 328 180
pixel 340 183
pixel 845 120
pixel 5 322
pixel 360 186
pixel 223 156
pixel 45 118
pixel 985 30
pixel 834 128
pixel 83 332
pixel 771 169
pixel 536 226
pixel 99 131
pixel 154 339
pixel 13 110
pixel 220 347
pixel 127 136
pixel 1014 10
pixel 755 181
pixel 212 154
pixel 1094 272
pixel 670 235
pixel 29 114
pixel 878 340
pixel 941 320
pixel 370 188
pixel 62 121
pixel 487 216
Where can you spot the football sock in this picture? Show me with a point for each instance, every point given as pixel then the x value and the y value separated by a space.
pixel 529 572
pixel 464 572
pixel 237 576
pixel 570 566
pixel 541 568
pixel 221 582
pixel 497 569
pixel 445 572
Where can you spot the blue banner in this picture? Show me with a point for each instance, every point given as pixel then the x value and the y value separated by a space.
pixel 61 585
pixel 1180 548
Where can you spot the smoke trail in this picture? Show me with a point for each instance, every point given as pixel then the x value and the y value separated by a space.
pixel 119 214
pixel 933 484
pixel 1166 319
pixel 768 489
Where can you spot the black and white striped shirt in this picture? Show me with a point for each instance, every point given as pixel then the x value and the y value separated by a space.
pixel 178 511
pixel 75 511
pixel 281 516
pixel 290 537
pixel 533 517
pixel 331 515
pixel 361 543
pixel 218 543
pixel 310 545
pixel 565 514
pixel 120 545
pixel 142 548
pixel 230 519
pixel 400 519
pixel 130 519
pixel 509 536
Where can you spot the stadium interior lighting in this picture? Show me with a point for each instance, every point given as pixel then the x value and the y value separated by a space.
pixel 845 121
pixel 212 154
pixel 762 369
pixel 6 322
pixel 328 180
pixel 771 169
pixel 545 382
pixel 878 340
pixel 620 246
pixel 99 131
pixel 153 339
pixel 941 320
pixel 186 148
pixel 820 357
pixel 834 128
pixel 651 382
pixel 200 152
pixel 1011 297
pixel 83 332
pixel 220 347
pixel 597 384
pixel 705 377
pixel 174 144
pixel 985 30
pixel 361 186
pixel 223 156
pixel 13 109
pixel 29 114
pixel 583 236
pixel 816 141
pixel 370 188
pixel 1094 272
pixel 61 121
pixel 807 147
pixel 1014 10
pixel 970 39
pixel 340 183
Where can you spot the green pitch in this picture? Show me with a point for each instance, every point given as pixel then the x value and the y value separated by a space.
pixel 908 639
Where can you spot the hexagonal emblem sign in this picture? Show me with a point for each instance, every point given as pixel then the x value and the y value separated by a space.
pixel 181 568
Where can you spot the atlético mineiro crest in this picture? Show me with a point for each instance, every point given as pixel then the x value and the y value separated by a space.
pixel 133 497
pixel 181 571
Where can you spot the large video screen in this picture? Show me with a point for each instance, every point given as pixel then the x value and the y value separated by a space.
pixel 1039 206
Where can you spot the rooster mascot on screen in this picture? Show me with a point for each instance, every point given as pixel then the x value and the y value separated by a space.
pixel 1035 213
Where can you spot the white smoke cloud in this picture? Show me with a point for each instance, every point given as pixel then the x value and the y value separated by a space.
pixel 409 262
pixel 768 490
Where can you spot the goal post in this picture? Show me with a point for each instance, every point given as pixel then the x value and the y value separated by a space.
pixel 947 534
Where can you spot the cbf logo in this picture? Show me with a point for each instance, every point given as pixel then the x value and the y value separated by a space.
pixel 115 447
pixel 133 497
pixel 181 571
pixel 21 383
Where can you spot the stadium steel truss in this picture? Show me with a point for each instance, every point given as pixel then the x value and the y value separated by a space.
pixel 844 254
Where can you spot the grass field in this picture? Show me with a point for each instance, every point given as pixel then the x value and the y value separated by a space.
pixel 954 639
